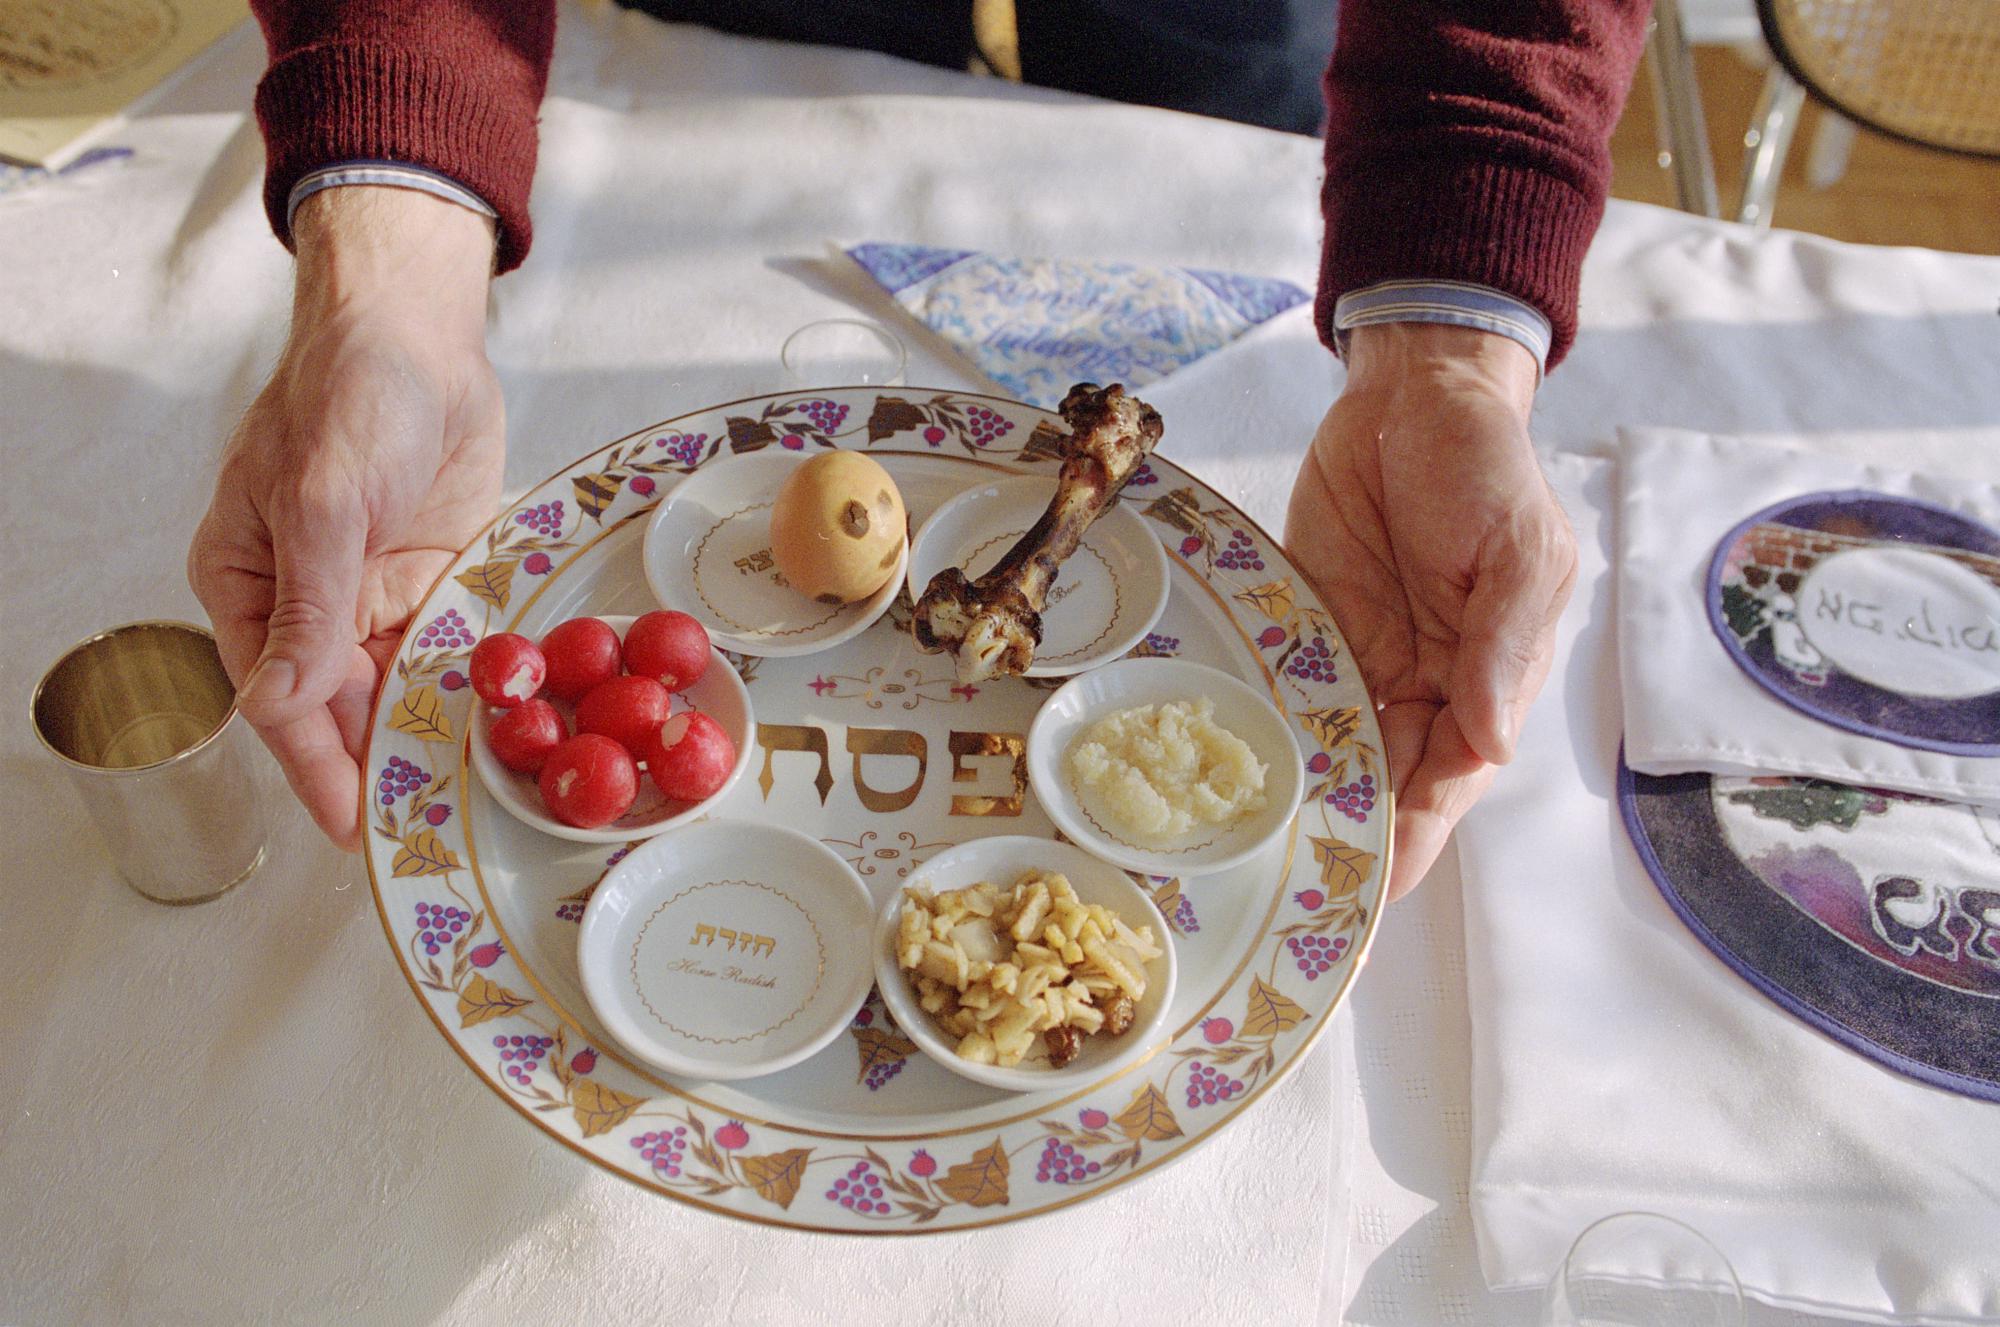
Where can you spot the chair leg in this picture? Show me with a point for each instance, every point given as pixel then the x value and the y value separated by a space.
pixel 1766 144
pixel 1677 111
pixel 1827 153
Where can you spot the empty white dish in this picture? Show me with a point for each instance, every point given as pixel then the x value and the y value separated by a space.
pixel 727 949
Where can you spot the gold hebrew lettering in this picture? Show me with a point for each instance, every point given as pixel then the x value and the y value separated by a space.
pixel 699 928
pixel 763 944
pixel 887 742
pixel 728 935
pixel 776 737
pixel 967 745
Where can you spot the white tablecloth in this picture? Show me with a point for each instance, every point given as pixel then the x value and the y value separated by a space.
pixel 233 1112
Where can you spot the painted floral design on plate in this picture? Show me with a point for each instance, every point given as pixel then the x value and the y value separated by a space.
pixel 887 762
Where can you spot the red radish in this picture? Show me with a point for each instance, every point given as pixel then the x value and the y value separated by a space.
pixel 507 669
pixel 669 647
pixel 581 652
pixel 522 738
pixel 628 710
pixel 589 781
pixel 690 757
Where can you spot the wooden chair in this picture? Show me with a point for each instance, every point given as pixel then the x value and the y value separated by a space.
pixel 1924 71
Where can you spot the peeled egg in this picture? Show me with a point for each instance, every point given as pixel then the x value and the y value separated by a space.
pixel 838 527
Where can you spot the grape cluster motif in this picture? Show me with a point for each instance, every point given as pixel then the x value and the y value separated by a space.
pixel 1208 1085
pixel 1313 662
pixel 683 448
pixel 1354 800
pixel 438 925
pixel 663 1149
pixel 569 910
pixel 398 778
pixel 545 519
pixel 1240 553
pixel 1316 953
pixel 1060 1163
pixel 1184 919
pixel 881 1072
pixel 1143 476
pixel 825 415
pixel 520 1056
pixel 861 1190
pixel 1159 644
pixel 986 425
pixel 446 631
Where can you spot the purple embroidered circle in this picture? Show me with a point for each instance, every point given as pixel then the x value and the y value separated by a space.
pixel 1873 916
pixel 1876 614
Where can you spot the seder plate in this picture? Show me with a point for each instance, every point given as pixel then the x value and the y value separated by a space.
pixel 877 751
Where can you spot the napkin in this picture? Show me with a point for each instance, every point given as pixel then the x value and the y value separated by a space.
pixel 1037 325
pixel 1689 705
pixel 1617 1065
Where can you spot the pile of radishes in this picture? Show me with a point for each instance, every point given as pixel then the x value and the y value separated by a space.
pixel 622 693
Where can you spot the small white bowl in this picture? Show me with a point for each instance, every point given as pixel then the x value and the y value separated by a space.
pixel 1108 595
pixel 1131 682
pixel 1003 860
pixel 720 695
pixel 708 554
pixel 726 950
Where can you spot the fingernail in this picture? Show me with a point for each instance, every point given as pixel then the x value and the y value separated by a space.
pixel 271 681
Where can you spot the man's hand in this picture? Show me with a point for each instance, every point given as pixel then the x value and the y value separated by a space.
pixel 1423 519
pixel 373 454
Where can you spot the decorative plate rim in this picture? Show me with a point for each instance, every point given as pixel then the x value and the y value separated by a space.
pixel 1362 875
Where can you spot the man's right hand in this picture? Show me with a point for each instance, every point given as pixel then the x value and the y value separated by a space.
pixel 371 457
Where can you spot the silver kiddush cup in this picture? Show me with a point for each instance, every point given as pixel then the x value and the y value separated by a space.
pixel 143 717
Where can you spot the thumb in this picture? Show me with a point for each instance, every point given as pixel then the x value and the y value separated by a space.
pixel 309 641
pixel 1522 580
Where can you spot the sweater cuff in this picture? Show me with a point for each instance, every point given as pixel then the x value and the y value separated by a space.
pixel 1511 228
pixel 345 102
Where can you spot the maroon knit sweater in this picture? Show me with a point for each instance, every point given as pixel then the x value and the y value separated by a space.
pixel 1466 139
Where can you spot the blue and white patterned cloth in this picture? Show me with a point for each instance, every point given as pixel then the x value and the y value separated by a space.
pixel 1037 325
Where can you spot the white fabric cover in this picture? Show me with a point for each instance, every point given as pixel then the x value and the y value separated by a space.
pixel 1688 705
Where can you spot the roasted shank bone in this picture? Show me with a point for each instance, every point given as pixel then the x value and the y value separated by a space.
pixel 991 626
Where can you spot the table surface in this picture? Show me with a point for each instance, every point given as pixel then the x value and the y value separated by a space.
pixel 233 1112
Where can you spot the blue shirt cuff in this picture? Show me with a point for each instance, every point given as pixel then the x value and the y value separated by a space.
pixel 393 174
pixel 1458 303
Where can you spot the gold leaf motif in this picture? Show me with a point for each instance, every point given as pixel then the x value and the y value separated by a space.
pixel 892 415
pixel 1273 599
pixel 491 581
pixel 594 493
pixel 424 853
pixel 980 1182
pixel 600 1109
pixel 1333 728
pixel 1342 867
pixel 1270 1012
pixel 1149 1118
pixel 776 1177
pixel 748 435
pixel 420 713
pixel 482 999
pixel 880 1046
pixel 1047 442
pixel 1179 509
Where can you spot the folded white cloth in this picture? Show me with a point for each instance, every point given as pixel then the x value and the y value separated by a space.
pixel 1618 1065
pixel 1690 705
